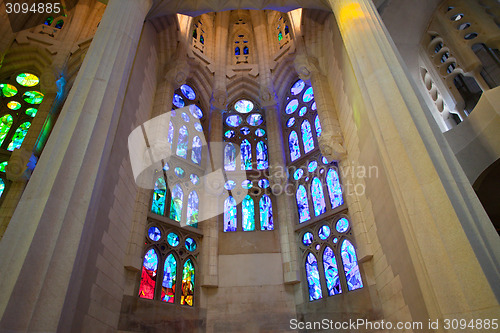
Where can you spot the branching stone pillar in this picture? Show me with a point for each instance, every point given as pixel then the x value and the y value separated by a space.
pixel 432 195
pixel 331 140
pixel 47 239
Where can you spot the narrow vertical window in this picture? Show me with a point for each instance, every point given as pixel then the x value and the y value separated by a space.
pixel 187 283
pixel 313 278
pixel 237 51
pixel 266 213
pixel 229 214
pixel 169 278
pixel 148 275
pixel 293 143
pixel 262 159
pixel 2 187
pixel 307 137
pixel 192 208
pixel 176 203
pixel 302 204
pixel 5 124
pixel 196 152
pixel 351 268
pixel 334 189
pixel 159 194
pixel 317 125
pixel 318 197
pixel 246 155
pixel 182 144
pixel 170 137
pixel 248 214
pixel 229 157
pixel 245 50
pixel 18 138
pixel 331 272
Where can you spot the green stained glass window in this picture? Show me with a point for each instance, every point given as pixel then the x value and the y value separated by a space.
pixel 176 203
pixel 49 21
pixel 27 79
pixel 160 191
pixel 248 214
pixel 5 124
pixel 19 136
pixel 7 90
pixel 2 186
pixel 3 165
pixel 13 105
pixel 31 112
pixel 33 97
pixel 187 295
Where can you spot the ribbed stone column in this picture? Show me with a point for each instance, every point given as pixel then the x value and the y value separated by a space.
pixel 285 197
pixel 56 213
pixel 433 197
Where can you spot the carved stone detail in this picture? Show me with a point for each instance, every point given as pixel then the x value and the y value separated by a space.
pixel 21 165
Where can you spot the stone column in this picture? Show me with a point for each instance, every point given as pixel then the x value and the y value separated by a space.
pixel 331 140
pixel 284 194
pixel 46 240
pixel 458 274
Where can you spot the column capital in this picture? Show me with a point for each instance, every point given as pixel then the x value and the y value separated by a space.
pixel 267 97
pixel 219 99
pixel 21 165
pixel 177 71
pixel 306 66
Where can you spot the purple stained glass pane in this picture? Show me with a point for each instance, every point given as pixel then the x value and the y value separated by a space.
pixel 183 142
pixel 197 126
pixel 297 87
pixel 234 120
pixel 262 158
pixel 290 122
pixel 302 204
pixel 196 111
pixel 179 172
pixel 245 130
pixel 246 184
pixel 293 143
pixel 255 119
pixel 185 117
pixel 307 239
pixel 243 106
pixel 196 152
pixel 302 111
pixel 194 179
pixel 229 214
pixel 313 106
pixel 229 134
pixel 351 268
pixel 313 278
pixel 334 189
pixel 178 101
pixel 264 183
pixel 317 125
pixel 266 213
pixel 292 106
pixel 308 95
pixel 260 132
pixel 318 197
pixel 331 272
pixel 307 137
pixel 154 234
pixel 230 185
pixel 246 155
pixel 188 92
pixel 229 157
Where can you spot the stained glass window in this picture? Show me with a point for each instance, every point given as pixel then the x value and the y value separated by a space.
pixel 59 24
pixel 318 197
pixel 334 189
pixel 293 143
pixel 351 268
pixel 2 187
pixel 266 213
pixel 243 106
pixel 237 51
pixel 31 112
pixel 331 272
pixel 7 90
pixel 245 50
pixel 262 162
pixel 307 137
pixel 246 155
pixel 317 125
pixel 160 191
pixel 169 278
pixel 3 165
pixel 196 152
pixel 33 97
pixel 154 234
pixel 297 87
pixel 229 157
pixel 188 92
pixel 27 80
pixel 176 203
pixel 19 136
pixel 148 275
pixel 183 142
pixel 170 137
pixel 229 214
pixel 187 295
pixel 5 124
pixel 313 282
pixel 248 214
pixel 302 204
pixel 192 208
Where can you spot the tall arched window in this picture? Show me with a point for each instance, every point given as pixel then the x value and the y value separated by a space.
pixel 149 274
pixel 246 149
pixel 282 32
pixel 159 196
pixel 176 203
pixel 199 35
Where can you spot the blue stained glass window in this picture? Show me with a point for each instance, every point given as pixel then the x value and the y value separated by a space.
pixel 260 132
pixel 190 244
pixel 302 111
pixel 154 234
pixel 298 174
pixel 194 179
pixel 2 187
pixel 185 117
pixel 182 144
pixel 331 272
pixel 334 189
pixel 297 87
pixel 313 106
pixel 196 111
pixel 290 122
pixel 188 92
pixel 243 106
pixel 229 214
pixel 313 278
pixel 324 232
pixel 317 125
pixel 197 126
pixel 173 239
pixel 159 193
pixel 292 106
pixel 169 278
pixel 248 214
pixel 179 172
pixel 318 197
pixel 263 183
pixel 246 155
pixel 312 166
pixel 307 239
pixel 176 203
pixel 266 213
pixel 302 204
pixel 170 137
pixel 237 51
pixel 342 225
pixel 245 50
pixel 229 134
pixel 255 119
pixel 307 137
pixel 308 95
pixel 178 101
pixel 230 185
pixel 262 159
pixel 192 208
pixel 229 157
pixel 351 268
pixel 196 152
pixel 245 130
pixel 234 120
pixel 293 143
pixel 246 184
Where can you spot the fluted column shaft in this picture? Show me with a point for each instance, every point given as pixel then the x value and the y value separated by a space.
pixel 419 166
pixel 56 213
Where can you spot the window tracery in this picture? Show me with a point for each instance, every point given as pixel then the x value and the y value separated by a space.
pixel 282 32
